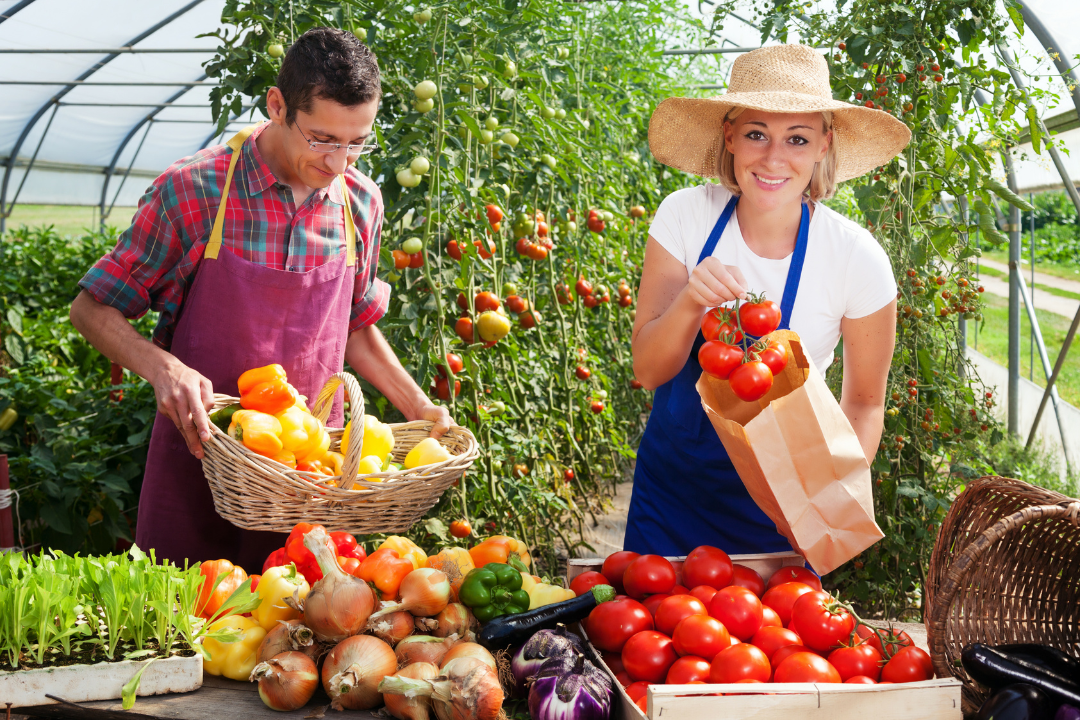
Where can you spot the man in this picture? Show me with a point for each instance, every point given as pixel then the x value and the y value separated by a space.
pixel 245 250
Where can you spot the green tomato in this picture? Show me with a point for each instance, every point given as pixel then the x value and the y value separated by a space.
pixel 423 106
pixel 420 165
pixel 407 178
pixel 509 289
pixel 509 68
pixel 608 216
pixel 276 50
pixel 412 246
pixel 496 465
pixel 600 394
pixel 510 139
pixel 547 112
pixel 425 90
pixel 497 408
pixel 463 131
pixel 486 137
pixel 571 226
pixel 423 16
pixel 491 123
pixel 560 114
pixel 548 160
pixel 564 52
pixel 466 59
pixel 480 82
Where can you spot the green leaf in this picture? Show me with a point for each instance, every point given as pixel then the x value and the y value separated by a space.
pixel 1006 194
pixel 1034 129
pixel 131 687
pixel 1016 15
pixel 14 347
pixel 15 319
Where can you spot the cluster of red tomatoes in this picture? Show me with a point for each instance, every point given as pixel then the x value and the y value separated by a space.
pixel 712 621
pixel 729 355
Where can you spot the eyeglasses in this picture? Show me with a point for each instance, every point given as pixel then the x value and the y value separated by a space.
pixel 369 146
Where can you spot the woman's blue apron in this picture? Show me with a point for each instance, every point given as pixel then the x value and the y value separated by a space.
pixel 686 491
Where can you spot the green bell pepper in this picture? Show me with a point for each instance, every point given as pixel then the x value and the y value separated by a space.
pixel 493 590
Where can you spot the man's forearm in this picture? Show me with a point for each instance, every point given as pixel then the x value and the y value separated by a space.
pixel 112 335
pixel 368 353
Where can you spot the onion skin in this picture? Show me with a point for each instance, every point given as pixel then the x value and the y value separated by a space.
pixel 392 628
pixel 456 618
pixel 423 648
pixel 353 670
pixel 466 689
pixel 470 650
pixel 424 592
pixel 339 604
pixel 287 681
pixel 288 636
pixel 417 707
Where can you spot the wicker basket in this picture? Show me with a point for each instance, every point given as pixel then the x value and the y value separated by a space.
pixel 1005 569
pixel 257 493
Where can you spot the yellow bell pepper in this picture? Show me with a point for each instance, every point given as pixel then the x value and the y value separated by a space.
pixel 455 563
pixel 541 594
pixel 233 660
pixel 285 458
pixel 426 452
pixel 265 389
pixel 378 438
pixel 405 548
pixel 258 431
pixel 275 585
pixel 370 464
pixel 334 461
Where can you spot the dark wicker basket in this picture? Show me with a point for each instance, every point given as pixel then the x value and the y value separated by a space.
pixel 1005 569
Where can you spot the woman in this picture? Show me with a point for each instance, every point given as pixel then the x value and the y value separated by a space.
pixel 779 143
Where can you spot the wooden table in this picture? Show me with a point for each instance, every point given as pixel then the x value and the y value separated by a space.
pixel 217 699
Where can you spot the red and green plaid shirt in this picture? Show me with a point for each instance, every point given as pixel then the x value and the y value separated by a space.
pixel 155 260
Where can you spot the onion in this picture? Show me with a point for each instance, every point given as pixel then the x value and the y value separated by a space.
pixel 339 604
pixel 470 650
pixel 353 669
pixel 424 592
pixel 467 689
pixel 392 628
pixel 543 645
pixel 423 648
pixel 457 619
pixel 288 636
pixel 286 681
pixel 570 687
pixel 408 706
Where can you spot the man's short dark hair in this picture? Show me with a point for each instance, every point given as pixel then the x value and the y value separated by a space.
pixel 327 63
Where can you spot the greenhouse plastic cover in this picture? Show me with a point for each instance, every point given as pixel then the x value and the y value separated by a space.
pixel 83 141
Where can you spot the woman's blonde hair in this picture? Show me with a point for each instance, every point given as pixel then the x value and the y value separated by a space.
pixel 822 182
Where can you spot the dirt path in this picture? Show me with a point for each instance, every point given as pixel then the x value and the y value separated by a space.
pixel 1043 300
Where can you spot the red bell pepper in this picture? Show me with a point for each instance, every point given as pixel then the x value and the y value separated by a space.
pixel 304 558
pixel 347 546
pixel 277 558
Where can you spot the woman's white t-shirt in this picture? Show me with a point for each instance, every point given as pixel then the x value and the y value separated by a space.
pixel 845 274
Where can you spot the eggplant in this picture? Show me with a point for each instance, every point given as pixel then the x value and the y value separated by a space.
pixel 996 670
pixel 1067 712
pixel 1045 657
pixel 516 629
pixel 1019 701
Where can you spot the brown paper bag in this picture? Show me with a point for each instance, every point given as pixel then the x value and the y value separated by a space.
pixel 800 460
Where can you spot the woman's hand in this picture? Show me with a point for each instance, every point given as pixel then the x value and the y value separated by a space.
pixel 712 283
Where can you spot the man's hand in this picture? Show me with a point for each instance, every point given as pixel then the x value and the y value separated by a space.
pixel 184 396
pixel 436 414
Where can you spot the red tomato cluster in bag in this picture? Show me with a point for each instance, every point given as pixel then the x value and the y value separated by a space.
pixel 729 353
pixel 731 626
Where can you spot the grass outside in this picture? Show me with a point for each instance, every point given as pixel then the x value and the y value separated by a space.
pixel 984 270
pixel 1069 271
pixel 71 220
pixel 993 342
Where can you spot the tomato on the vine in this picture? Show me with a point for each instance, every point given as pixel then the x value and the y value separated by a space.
pixel 416 260
pixel 700 635
pixel 486 301
pixel 794 573
pixel 464 329
pixel 582 372
pixel 597 407
pixel 707 565
pixel 494 213
pixel 647 575
pixel 820 623
pixel 759 318
pixel 442 388
pixel 719 359
pixel 648 655
pixel 516 304
pixel 612 623
pixel 740 662
pixel 401 259
pixel 453 360
pixel 751 380
pixel 861 659
pixel 583 287
pixel 774 356
pixel 615 565
pixel 720 321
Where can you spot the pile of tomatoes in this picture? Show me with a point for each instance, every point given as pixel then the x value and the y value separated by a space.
pixel 729 354
pixel 712 621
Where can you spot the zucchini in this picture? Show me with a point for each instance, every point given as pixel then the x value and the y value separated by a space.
pixel 996 669
pixel 516 629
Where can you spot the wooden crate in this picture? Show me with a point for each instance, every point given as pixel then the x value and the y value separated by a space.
pixel 929 700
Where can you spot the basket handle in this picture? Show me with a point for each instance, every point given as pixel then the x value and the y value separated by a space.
pixel 971 556
pixel 321 410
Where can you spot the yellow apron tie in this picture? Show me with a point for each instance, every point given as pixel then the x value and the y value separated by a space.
pixel 213 247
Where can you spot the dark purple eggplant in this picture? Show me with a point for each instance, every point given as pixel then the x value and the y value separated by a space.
pixel 1016 702
pixel 1045 657
pixel 996 670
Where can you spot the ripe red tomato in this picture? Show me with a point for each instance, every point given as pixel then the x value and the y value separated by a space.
pixel 679 589
pixel 453 250
pixel 590 301
pixel 782 597
pixel 464 329
pixel 739 610
pixel 614 566
pixel 775 357
pixel 597 407
pixel 805 667
pixel 700 635
pixel 527 320
pixel 455 363
pixel 720 321
pixel 612 623
pixel 860 680
pixel 893 640
pixel 494 214
pixel 624 679
pixel 460 528
pixel 740 662
pixel 613 660
pixel 820 624
pixel 643 704
pixel 648 655
pixel 582 372
pixel 751 380
pixel 704 593
pixel 719 359
pixel 759 318
pixel 416 260
pixel 647 575
pixel 673 609
pixel 855 661
pixel 637 690
pixel 586 581
pixel 442 388
pixel 748 578
pixel 687 669
pixel 485 301
pixel 583 287
pixel 770 639
pixel 707 565
pixel 652 603
pixel 516 304
pixel 909 664
pixel 784 653
pixel 535 251
pixel 769 617
pixel 794 573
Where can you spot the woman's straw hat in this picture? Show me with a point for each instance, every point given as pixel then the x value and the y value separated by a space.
pixel 688 133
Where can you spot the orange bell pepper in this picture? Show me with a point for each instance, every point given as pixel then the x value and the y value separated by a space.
pixel 501 549
pixel 385 569
pixel 285 458
pixel 258 431
pixel 258 376
pixel 455 563
pixel 211 597
pixel 407 549
pixel 265 389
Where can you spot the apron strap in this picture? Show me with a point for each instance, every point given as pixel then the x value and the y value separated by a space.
pixel 350 225
pixel 718 229
pixel 794 274
pixel 213 247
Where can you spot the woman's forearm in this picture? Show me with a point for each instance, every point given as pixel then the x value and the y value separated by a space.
pixel 868 421
pixel 662 345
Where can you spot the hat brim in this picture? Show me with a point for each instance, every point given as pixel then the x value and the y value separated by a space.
pixel 688 133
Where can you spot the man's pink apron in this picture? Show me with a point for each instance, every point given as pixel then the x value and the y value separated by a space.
pixel 240 315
